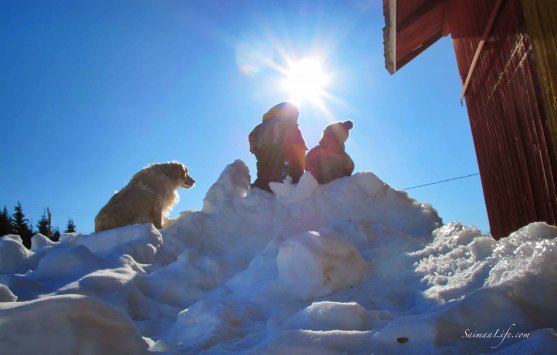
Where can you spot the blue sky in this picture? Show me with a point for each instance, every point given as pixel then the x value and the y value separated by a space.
pixel 92 91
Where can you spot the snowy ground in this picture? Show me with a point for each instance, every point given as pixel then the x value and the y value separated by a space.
pixel 348 267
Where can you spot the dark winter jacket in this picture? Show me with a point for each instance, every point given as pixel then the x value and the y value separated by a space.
pixel 278 146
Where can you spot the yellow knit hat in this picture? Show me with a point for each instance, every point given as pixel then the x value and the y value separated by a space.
pixel 284 110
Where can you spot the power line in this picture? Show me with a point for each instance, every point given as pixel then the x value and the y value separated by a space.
pixel 442 181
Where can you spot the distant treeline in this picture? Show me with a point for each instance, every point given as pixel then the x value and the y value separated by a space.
pixel 18 224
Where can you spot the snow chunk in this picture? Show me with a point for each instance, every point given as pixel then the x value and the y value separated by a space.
pixel 311 265
pixel 481 248
pixel 6 294
pixel 67 325
pixel 454 267
pixel 69 238
pixel 288 192
pixel 530 250
pixel 15 237
pixel 183 281
pixel 455 263
pixel 234 181
pixel 209 322
pixel 67 263
pixel 117 288
pixel 13 255
pixel 40 241
pixel 139 241
pixel 330 316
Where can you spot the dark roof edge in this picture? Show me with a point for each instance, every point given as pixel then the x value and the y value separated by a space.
pixel 389 35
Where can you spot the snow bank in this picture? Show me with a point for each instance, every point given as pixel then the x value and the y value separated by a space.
pixel 352 266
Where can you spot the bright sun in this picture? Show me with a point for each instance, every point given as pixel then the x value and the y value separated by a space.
pixel 305 81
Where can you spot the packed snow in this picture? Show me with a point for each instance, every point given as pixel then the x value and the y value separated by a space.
pixel 352 266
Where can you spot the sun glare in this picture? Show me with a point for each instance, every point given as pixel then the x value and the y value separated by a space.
pixel 306 81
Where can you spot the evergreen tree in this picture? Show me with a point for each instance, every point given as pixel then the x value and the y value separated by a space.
pixel 44 225
pixel 70 228
pixel 55 234
pixel 5 223
pixel 20 226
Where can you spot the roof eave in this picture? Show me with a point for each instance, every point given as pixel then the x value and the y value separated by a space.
pixel 389 35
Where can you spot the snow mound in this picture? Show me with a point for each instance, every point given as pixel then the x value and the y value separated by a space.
pixel 352 266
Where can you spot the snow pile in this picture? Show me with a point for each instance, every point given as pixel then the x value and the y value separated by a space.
pixel 352 266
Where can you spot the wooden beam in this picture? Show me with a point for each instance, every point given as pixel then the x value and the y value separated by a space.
pixel 393 16
pixel 486 33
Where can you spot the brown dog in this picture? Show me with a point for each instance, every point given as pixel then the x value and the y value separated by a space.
pixel 147 198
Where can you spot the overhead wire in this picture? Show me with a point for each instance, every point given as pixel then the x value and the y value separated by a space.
pixel 441 181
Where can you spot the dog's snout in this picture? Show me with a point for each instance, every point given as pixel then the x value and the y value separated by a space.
pixel 189 182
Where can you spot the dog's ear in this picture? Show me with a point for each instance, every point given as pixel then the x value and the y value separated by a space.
pixel 183 171
pixel 173 171
pixel 179 171
pixel 184 177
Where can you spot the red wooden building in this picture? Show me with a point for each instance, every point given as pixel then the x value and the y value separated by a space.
pixel 507 57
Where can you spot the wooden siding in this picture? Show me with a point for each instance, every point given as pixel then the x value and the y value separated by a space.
pixel 508 115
